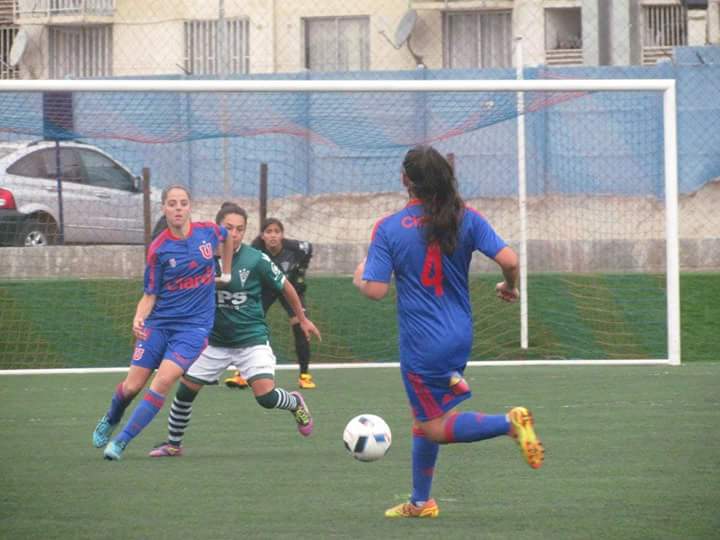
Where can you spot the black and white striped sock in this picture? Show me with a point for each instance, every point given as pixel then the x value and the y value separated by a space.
pixel 180 412
pixel 286 400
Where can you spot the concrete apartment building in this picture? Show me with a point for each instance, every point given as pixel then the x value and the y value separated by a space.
pixel 100 38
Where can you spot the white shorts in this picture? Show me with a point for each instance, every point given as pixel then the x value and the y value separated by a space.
pixel 250 361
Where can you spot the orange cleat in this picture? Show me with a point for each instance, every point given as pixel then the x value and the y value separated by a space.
pixel 236 381
pixel 524 433
pixel 306 381
pixel 409 510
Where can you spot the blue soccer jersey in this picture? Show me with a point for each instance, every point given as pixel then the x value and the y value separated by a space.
pixel 181 273
pixel 434 313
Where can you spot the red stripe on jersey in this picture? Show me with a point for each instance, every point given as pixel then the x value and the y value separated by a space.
pixel 377 224
pixel 152 255
pixel 211 225
pixel 155 245
pixel 427 401
pixel 467 207
pixel 189 234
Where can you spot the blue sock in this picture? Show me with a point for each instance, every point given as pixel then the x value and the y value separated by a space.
pixel 142 415
pixel 424 455
pixel 118 404
pixel 473 426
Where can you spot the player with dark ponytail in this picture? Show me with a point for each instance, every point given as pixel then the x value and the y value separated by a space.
pixel 428 246
pixel 429 177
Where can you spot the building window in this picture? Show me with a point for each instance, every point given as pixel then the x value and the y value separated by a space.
pixel 80 51
pixel 478 39
pixel 563 36
pixel 663 27
pixel 208 53
pixel 337 43
pixel 7 36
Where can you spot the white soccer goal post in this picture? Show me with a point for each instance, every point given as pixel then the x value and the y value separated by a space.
pixel 588 275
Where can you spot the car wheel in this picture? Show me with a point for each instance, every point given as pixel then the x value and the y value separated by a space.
pixel 37 232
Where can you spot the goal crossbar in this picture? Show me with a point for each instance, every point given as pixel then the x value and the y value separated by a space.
pixel 510 85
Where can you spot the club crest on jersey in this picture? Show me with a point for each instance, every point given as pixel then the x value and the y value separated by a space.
pixel 243 273
pixel 173 262
pixel 206 250
pixel 285 265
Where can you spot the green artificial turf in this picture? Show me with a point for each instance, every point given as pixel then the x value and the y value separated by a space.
pixel 631 454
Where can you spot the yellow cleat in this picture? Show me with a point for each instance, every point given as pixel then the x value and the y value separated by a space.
pixel 409 510
pixel 524 433
pixel 306 381
pixel 236 381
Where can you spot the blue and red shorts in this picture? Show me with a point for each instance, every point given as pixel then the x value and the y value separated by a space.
pixel 431 396
pixel 180 346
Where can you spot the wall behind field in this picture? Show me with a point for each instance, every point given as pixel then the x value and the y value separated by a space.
pixel 334 143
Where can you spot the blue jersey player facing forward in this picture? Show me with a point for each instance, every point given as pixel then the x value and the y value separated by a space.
pixel 173 318
pixel 428 245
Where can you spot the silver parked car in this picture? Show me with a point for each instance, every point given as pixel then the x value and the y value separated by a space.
pixel 102 200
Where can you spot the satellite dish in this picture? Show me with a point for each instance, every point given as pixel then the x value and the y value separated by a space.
pixel 18 47
pixel 405 27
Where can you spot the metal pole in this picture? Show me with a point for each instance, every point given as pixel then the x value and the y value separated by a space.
pixel 58 176
pixel 221 48
pixel 263 194
pixel 222 57
pixel 146 207
pixel 522 196
pixel 671 225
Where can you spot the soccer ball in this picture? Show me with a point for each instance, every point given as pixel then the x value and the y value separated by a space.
pixel 367 437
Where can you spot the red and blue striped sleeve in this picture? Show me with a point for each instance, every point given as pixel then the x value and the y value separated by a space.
pixel 153 269
pixel 218 233
pixel 221 233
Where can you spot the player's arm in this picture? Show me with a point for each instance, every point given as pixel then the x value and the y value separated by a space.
pixel 291 295
pixel 226 257
pixel 488 242
pixel 144 308
pixel 375 290
pixel 507 290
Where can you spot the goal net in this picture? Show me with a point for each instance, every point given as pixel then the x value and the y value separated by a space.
pixel 583 185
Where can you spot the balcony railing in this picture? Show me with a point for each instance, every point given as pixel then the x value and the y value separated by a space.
pixel 73 8
pixel 652 55
pixel 564 57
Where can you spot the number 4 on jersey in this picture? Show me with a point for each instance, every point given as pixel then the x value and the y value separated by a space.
pixel 432 272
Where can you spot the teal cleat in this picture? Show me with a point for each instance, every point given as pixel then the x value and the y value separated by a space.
pixel 114 450
pixel 103 431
